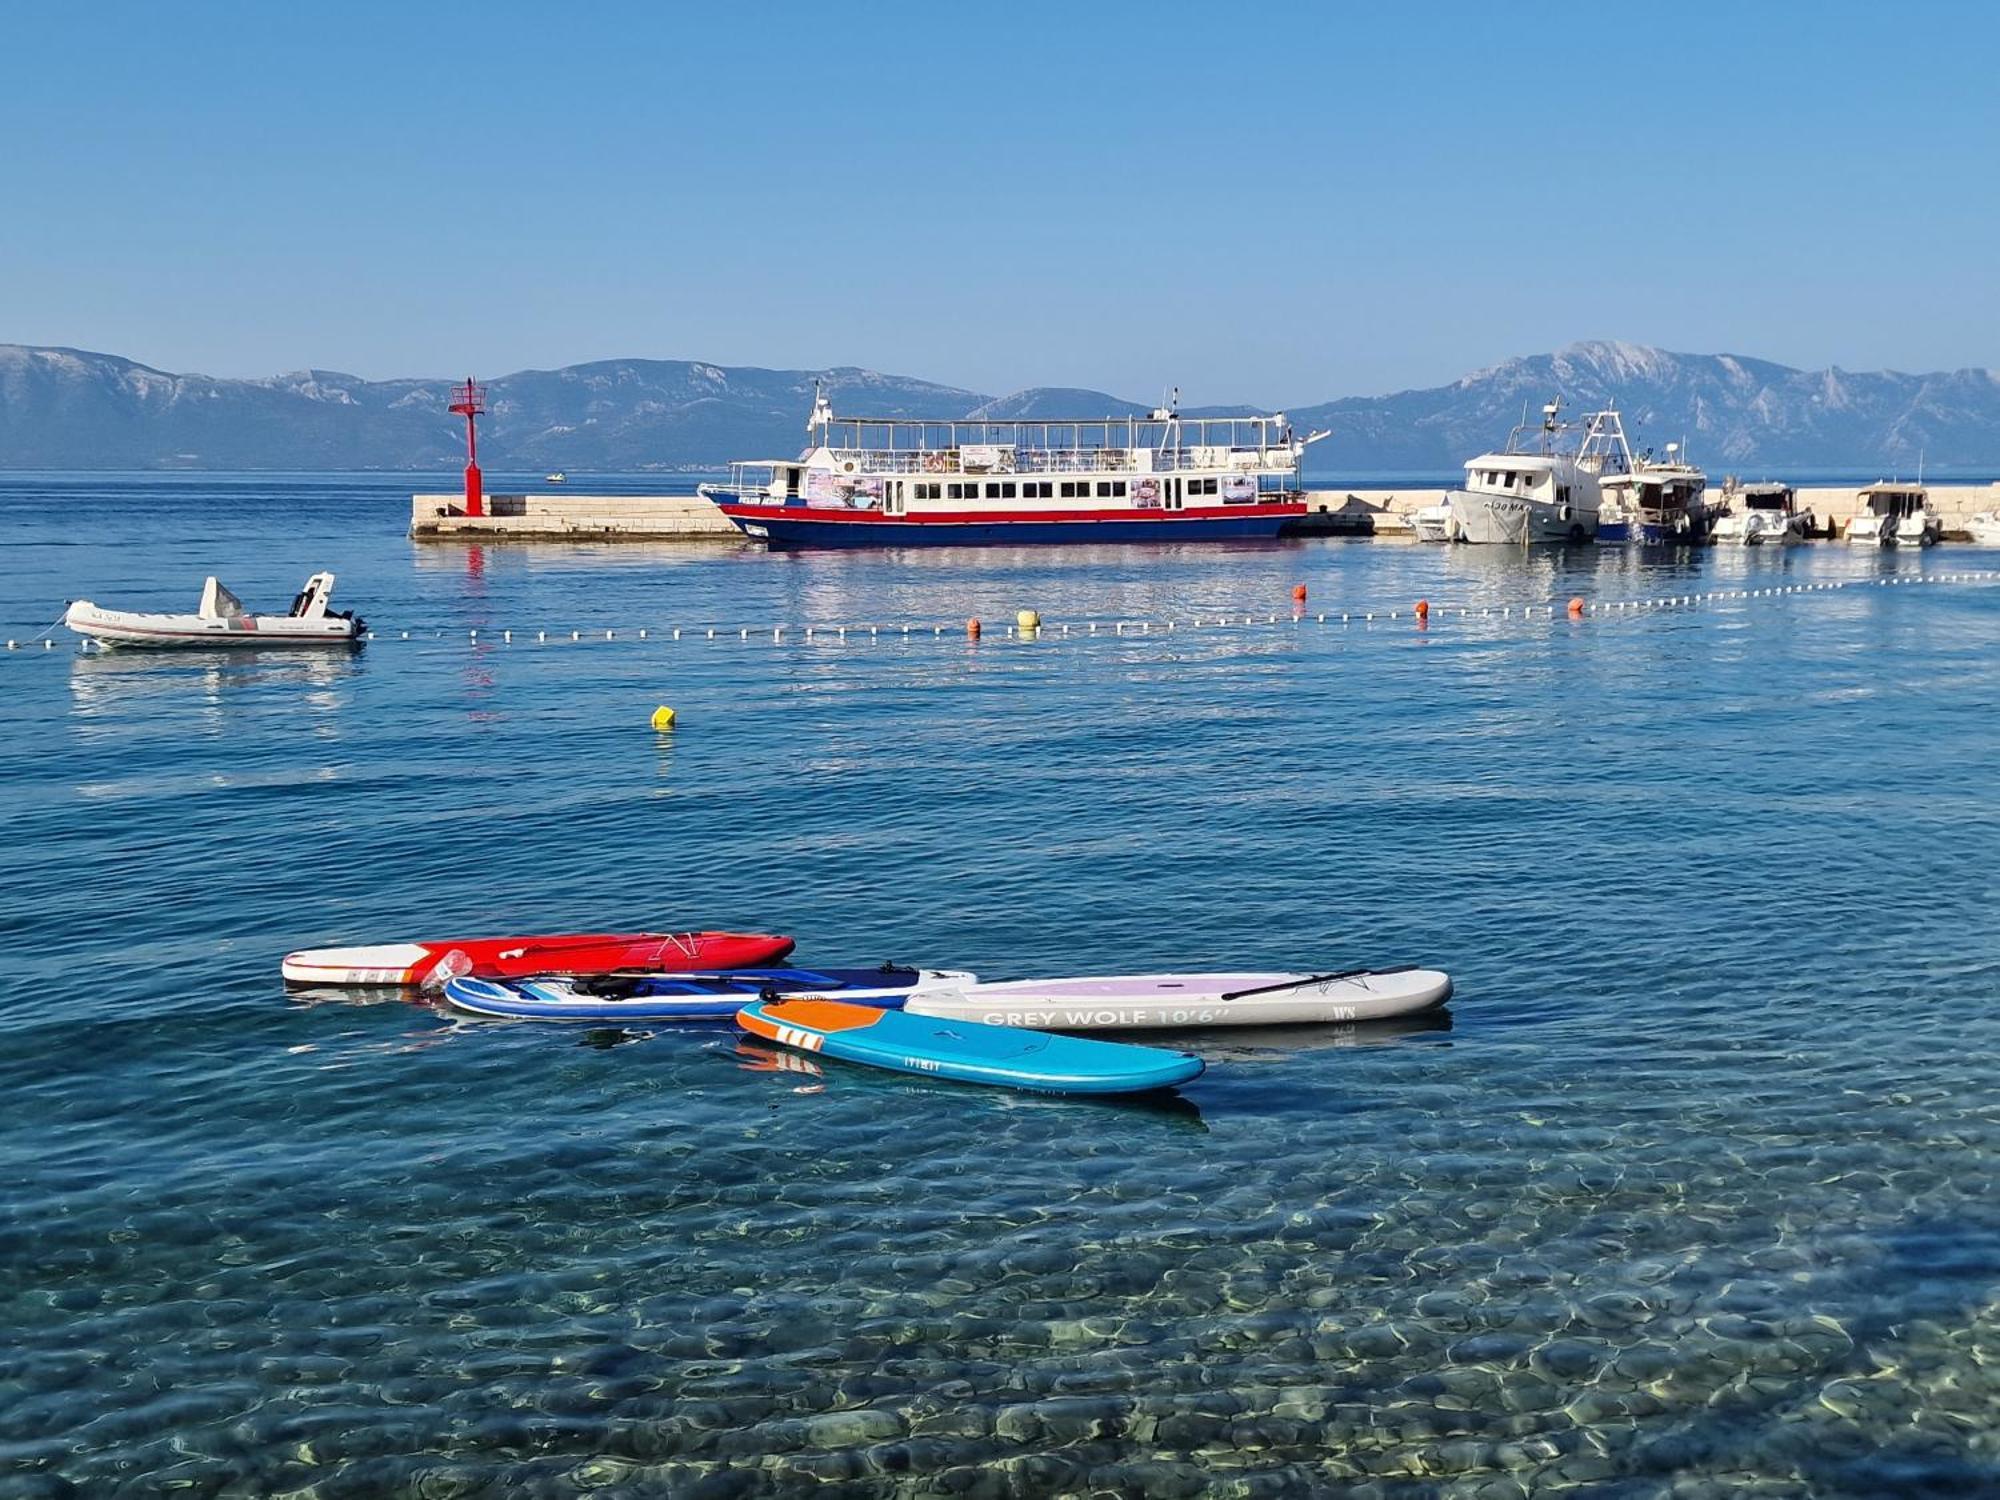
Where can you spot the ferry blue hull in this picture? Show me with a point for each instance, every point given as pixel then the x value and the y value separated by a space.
pixel 782 531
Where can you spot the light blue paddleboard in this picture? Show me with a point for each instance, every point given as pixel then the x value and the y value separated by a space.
pixel 968 1051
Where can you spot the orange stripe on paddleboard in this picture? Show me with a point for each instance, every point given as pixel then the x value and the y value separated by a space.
pixel 822 1015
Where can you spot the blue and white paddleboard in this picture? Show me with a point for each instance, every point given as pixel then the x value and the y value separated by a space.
pixel 968 1051
pixel 714 995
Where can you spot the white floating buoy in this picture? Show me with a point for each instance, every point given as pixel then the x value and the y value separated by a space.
pixel 507 636
pixel 745 634
pixel 472 635
pixel 872 632
pixel 406 635
pixel 541 635
pixel 677 632
pixel 642 634
pixel 607 635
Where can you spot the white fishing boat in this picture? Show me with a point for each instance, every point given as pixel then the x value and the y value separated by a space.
pixel 1656 502
pixel 556 478
pixel 1758 515
pixel 1146 1001
pixel 1534 490
pixel 1984 528
pixel 221 620
pixel 1893 514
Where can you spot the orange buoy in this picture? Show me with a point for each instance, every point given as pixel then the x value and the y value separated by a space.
pixel 1299 592
pixel 1423 609
pixel 1576 609
pixel 972 628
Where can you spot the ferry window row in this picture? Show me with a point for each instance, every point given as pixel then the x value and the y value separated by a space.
pixel 1028 489
pixel 1503 479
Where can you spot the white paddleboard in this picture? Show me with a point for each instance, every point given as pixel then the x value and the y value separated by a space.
pixel 1122 1002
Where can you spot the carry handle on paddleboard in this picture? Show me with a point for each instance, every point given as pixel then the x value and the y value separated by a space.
pixel 1294 984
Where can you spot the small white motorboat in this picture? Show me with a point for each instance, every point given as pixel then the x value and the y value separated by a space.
pixel 221 620
pixel 1891 514
pixel 556 478
pixel 1143 1001
pixel 1984 528
pixel 1432 523
pixel 1770 516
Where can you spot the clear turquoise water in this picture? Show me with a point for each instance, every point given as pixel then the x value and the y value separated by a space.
pixel 1693 1194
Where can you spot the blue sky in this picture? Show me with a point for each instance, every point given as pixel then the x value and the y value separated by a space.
pixel 1278 204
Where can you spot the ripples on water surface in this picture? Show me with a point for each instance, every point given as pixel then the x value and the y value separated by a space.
pixel 1693 1194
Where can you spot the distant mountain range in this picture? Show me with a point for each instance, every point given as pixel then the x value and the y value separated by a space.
pixel 67 409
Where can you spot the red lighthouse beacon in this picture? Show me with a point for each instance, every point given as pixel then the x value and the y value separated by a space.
pixel 469 401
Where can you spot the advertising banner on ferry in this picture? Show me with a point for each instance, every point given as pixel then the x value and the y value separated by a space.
pixel 823 487
pixel 1239 489
pixel 986 458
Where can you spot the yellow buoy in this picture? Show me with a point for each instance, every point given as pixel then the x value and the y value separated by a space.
pixel 1028 619
pixel 663 717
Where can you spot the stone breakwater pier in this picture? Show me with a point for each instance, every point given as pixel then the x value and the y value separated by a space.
pixel 565 516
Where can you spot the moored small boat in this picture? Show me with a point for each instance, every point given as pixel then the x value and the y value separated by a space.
pixel 1890 514
pixel 1984 528
pixel 1769 515
pixel 221 620
pixel 965 1051
pixel 697 996
pixel 424 963
pixel 1146 1001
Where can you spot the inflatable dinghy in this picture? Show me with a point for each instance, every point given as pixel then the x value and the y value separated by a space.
pixel 1137 1001
pixel 221 620
pixel 712 996
pixel 965 1051
pixel 509 957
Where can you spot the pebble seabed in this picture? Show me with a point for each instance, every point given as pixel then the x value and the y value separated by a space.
pixel 1691 1193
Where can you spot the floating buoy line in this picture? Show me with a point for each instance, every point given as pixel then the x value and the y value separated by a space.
pixel 1029 625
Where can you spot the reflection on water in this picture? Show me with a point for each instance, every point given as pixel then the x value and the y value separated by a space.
pixel 1689 1192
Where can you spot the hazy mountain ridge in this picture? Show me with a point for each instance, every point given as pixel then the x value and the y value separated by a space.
pixel 71 409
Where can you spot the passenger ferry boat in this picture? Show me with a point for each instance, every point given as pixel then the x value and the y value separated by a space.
pixel 895 481
pixel 1658 502
pixel 1544 493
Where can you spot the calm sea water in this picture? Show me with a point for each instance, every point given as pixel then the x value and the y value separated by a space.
pixel 1692 1193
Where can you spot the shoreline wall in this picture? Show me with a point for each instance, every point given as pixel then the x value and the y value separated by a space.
pixel 563 516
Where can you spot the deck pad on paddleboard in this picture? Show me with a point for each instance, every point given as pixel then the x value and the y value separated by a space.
pixel 420 963
pixel 1120 1002
pixel 712 996
pixel 966 1051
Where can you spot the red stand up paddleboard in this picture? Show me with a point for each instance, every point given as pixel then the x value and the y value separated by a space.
pixel 510 957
